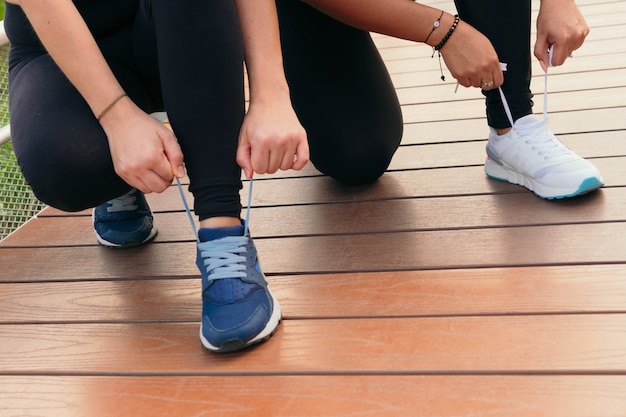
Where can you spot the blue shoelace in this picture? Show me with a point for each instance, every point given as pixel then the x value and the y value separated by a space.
pixel 193 224
pixel 224 258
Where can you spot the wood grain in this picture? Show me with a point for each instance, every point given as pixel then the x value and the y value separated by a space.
pixel 434 291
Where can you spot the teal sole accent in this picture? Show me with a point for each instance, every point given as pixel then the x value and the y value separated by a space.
pixel 586 186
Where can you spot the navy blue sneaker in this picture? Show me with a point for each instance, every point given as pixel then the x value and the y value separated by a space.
pixel 124 222
pixel 238 309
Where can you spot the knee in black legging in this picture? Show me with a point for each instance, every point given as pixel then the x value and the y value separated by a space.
pixel 70 178
pixel 355 161
pixel 68 172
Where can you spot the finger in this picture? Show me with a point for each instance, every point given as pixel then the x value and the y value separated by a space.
pixel 162 168
pixel 243 160
pixel 174 155
pixel 559 55
pixel 289 157
pixel 488 84
pixel 498 77
pixel 139 184
pixel 260 161
pixel 541 53
pixel 276 158
pixel 155 182
pixel 302 155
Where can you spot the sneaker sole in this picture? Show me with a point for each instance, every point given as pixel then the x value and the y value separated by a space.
pixel 128 243
pixel 238 344
pixel 501 173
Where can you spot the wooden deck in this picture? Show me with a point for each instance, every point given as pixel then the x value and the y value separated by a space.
pixel 434 292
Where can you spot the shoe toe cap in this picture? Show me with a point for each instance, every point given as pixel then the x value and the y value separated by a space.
pixel 237 321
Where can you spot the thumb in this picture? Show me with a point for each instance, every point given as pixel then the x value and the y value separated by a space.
pixel 244 158
pixel 542 47
pixel 174 155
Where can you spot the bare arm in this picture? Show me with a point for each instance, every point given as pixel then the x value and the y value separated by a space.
pixel 468 54
pixel 271 136
pixel 145 153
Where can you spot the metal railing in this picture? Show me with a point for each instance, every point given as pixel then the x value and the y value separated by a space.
pixel 17 201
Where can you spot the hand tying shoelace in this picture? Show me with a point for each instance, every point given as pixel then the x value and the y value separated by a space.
pixel 531 156
pixel 238 308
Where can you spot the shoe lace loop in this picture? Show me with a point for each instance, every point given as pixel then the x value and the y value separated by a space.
pixel 541 139
pixel 225 258
pixel 507 109
pixel 543 143
pixel 123 203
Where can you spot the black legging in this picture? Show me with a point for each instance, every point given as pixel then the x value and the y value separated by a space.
pixel 341 92
pixel 340 89
pixel 507 25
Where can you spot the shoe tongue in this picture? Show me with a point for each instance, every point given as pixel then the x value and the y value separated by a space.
pixel 206 234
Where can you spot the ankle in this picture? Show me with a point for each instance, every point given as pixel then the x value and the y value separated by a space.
pixel 220 222
pixel 504 131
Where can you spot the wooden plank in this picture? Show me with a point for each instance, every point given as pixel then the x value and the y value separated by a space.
pixel 408 214
pixel 392 49
pixel 558 102
pixel 524 344
pixel 517 246
pixel 597 289
pixel 400 251
pixel 557 83
pixel 456 181
pixel 430 72
pixel 419 57
pixel 561 123
pixel 588 145
pixel 315 396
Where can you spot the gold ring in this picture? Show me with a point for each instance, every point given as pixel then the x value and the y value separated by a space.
pixel 488 84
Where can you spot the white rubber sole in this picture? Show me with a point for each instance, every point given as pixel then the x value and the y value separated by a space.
pixel 503 173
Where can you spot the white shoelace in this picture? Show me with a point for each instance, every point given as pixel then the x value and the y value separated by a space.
pixel 544 144
pixel 507 110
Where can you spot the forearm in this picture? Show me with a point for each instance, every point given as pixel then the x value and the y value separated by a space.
pixel 263 56
pixel 69 42
pixel 398 18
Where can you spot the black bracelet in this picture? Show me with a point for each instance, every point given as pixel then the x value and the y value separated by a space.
pixel 436 24
pixel 445 38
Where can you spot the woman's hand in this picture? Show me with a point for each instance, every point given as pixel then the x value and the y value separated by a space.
pixel 561 25
pixel 471 58
pixel 271 138
pixel 145 153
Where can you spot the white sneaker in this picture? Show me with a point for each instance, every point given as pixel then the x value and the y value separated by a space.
pixel 531 156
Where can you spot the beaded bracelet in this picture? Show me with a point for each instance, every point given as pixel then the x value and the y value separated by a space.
pixel 445 38
pixel 436 24
pixel 110 106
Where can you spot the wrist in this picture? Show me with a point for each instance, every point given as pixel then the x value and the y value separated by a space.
pixel 269 90
pixel 118 115
pixel 109 107
pixel 445 23
pixel 448 34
